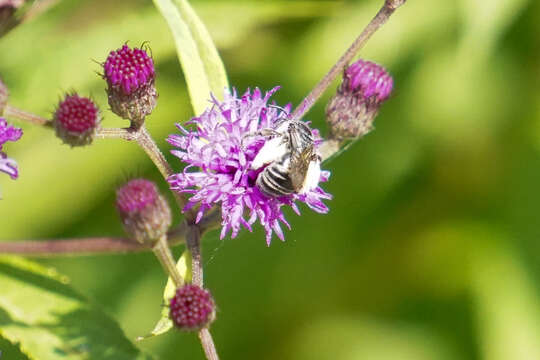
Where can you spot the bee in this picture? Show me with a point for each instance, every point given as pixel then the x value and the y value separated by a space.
pixel 292 162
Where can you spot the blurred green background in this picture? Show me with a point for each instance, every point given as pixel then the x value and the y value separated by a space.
pixel 431 248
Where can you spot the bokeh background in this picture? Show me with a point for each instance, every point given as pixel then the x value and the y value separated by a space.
pixel 431 249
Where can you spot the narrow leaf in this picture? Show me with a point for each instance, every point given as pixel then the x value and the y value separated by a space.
pixel 48 320
pixel 202 66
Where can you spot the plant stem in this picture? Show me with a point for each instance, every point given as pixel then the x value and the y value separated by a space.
pixel 164 255
pixel 85 246
pixel 37 9
pixel 382 16
pixel 208 344
pixel 115 133
pixel 13 112
pixel 145 141
pixel 193 242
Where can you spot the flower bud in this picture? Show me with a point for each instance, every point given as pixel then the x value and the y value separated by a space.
pixel 145 213
pixel 350 113
pixel 130 76
pixel 192 308
pixel 76 120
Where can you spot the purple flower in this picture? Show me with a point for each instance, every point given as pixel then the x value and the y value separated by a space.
pixel 219 154
pixel 8 133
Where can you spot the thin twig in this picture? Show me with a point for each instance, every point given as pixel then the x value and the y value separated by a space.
pixel 382 16
pixel 85 246
pixel 193 243
pixel 208 344
pixel 146 142
pixel 165 257
pixel 38 8
pixel 116 133
pixel 16 113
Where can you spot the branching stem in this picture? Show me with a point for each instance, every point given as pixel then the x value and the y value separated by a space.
pixel 16 113
pixel 163 253
pixel 85 246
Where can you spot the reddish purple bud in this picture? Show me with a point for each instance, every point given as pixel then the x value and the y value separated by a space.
pixel 350 113
pixel 145 213
pixel 76 120
pixel 130 76
pixel 192 308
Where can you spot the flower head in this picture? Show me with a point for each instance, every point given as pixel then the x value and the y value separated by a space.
pixel 8 133
pixel 130 76
pixel 223 147
pixel 144 211
pixel 192 308
pixel 76 120
pixel 350 113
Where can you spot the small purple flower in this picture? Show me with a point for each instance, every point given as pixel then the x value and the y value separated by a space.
pixel 219 154
pixel 368 79
pixel 8 133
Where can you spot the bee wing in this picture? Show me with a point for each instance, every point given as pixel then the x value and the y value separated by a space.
pixel 299 166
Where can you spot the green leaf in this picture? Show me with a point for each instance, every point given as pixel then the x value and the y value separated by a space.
pixel 48 320
pixel 202 66
pixel 165 324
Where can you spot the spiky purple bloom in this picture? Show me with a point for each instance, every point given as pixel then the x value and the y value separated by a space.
pixel 8 133
pixel 350 113
pixel 219 157
pixel 130 76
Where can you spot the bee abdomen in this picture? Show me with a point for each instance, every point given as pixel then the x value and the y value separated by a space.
pixel 274 180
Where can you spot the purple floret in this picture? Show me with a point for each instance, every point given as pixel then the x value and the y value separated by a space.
pixel 219 156
pixel 8 133
pixel 369 79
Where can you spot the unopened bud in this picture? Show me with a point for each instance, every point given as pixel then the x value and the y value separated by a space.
pixel 76 120
pixel 130 76
pixel 350 113
pixel 145 213
pixel 192 308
